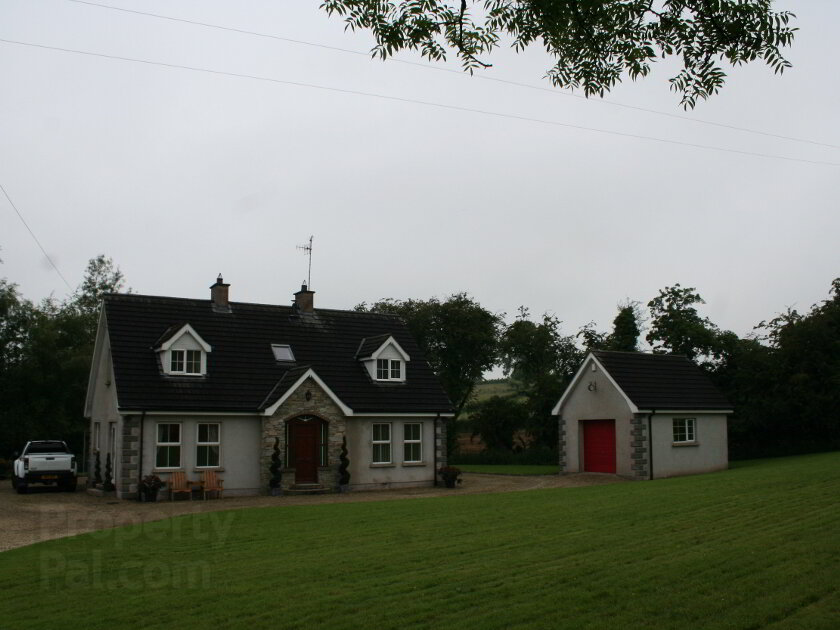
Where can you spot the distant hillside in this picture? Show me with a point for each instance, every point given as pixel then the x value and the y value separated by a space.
pixel 485 390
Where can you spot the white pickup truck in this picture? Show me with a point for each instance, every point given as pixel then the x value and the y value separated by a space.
pixel 47 462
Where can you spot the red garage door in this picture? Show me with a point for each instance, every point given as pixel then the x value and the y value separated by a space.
pixel 599 446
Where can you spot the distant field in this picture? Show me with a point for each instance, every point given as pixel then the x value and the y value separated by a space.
pixel 752 547
pixel 499 469
pixel 485 390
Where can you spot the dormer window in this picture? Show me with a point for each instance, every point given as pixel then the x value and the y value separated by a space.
pixel 388 369
pixel 384 358
pixel 183 352
pixel 185 361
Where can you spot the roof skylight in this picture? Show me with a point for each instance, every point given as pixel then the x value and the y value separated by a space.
pixel 282 352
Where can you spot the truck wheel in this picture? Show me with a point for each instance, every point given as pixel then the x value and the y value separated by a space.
pixel 21 487
pixel 68 486
pixel 14 481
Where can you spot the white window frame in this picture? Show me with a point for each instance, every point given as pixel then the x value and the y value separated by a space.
pixel 184 360
pixel 374 443
pixel 179 444
pixel 388 367
pixel 686 427
pixel 199 443
pixel 411 442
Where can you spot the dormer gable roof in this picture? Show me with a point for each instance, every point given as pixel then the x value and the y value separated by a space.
pixel 174 333
pixel 372 347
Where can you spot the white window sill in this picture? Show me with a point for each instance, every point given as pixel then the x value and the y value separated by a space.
pixel 681 444
pixel 414 463
pixel 389 465
pixel 167 470
pixel 213 468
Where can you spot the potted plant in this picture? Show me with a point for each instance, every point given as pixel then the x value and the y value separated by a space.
pixel 343 472
pixel 450 476
pixel 149 487
pixel 276 476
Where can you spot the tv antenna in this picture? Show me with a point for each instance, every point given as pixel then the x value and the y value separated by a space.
pixel 307 250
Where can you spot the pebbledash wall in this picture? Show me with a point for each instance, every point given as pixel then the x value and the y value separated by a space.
pixel 605 402
pixel 247 444
pixel 632 443
pixel 358 430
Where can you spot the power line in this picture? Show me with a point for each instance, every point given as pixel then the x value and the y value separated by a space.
pixel 400 99
pixel 35 238
pixel 457 72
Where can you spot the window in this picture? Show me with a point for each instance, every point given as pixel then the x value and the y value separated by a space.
pixel 388 370
pixel 685 430
pixel 207 446
pixel 282 353
pixel 176 361
pixel 412 442
pixel 95 436
pixel 168 446
pixel 185 362
pixel 382 443
pixel 193 362
pixel 322 444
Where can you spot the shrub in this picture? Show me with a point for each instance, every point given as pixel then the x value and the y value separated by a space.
pixel 535 455
pixel 343 472
pixel 276 465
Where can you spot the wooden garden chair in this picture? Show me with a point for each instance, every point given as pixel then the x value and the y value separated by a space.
pixel 210 482
pixel 178 484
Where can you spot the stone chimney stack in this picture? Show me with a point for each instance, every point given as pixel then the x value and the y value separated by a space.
pixel 304 301
pixel 219 296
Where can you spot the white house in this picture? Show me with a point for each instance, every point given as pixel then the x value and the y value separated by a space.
pixel 642 416
pixel 195 385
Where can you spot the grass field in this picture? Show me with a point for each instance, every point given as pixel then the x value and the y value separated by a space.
pixel 502 469
pixel 753 547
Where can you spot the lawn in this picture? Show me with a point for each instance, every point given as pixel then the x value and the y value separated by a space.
pixel 753 547
pixel 503 469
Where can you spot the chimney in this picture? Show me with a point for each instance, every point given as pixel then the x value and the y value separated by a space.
pixel 219 296
pixel 304 301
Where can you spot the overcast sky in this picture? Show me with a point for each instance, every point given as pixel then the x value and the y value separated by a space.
pixel 179 175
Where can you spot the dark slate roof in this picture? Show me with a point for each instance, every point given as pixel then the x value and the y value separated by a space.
pixel 242 375
pixel 662 381
pixel 369 345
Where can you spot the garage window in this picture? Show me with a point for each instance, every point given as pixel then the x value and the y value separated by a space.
pixel 685 430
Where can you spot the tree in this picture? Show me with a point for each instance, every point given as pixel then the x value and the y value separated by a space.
pixel 541 362
pixel 625 335
pixel 593 43
pixel 626 328
pixel 45 354
pixel 101 277
pixel 677 327
pixel 458 336
pixel 497 419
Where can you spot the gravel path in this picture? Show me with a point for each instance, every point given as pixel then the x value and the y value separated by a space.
pixel 45 513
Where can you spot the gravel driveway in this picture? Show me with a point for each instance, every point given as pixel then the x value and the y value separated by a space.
pixel 46 513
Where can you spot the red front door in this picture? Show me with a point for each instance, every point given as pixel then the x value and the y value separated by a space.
pixel 599 446
pixel 305 450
